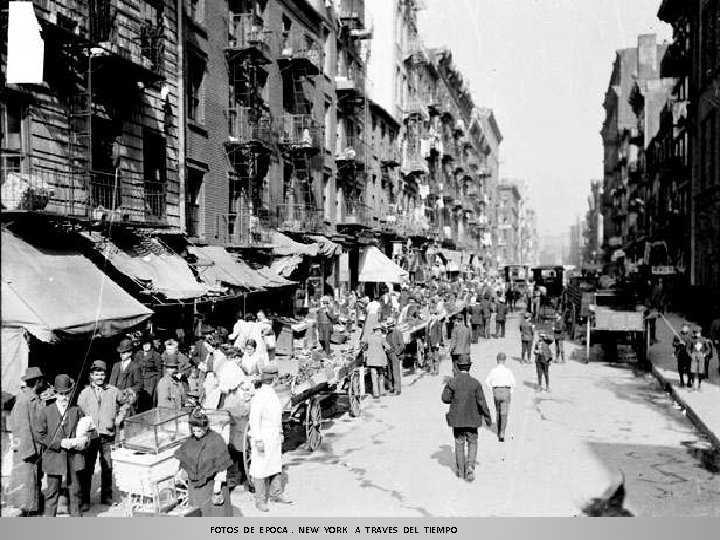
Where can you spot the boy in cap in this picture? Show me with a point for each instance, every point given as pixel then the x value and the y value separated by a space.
pixel 468 409
pixel 543 357
pixel 502 382
pixel 397 346
pixel 171 393
pixel 683 349
pixel 559 336
pixel 527 334
pixel 27 469
pixel 57 426
pixel 376 359
pixel 266 438
pixel 101 402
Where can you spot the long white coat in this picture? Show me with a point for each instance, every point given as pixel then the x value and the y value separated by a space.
pixel 266 426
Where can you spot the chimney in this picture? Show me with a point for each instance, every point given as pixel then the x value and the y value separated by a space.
pixel 647 57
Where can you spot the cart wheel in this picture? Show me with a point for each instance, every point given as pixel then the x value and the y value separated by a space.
pixel 246 455
pixel 354 394
pixel 313 424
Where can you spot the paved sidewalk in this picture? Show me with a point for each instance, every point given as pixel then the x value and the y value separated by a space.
pixel 703 407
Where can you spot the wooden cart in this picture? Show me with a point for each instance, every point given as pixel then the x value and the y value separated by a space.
pixel 302 404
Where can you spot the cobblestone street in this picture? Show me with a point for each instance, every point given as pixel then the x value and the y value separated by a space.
pixel 562 449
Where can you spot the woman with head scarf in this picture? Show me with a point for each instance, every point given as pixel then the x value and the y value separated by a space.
pixel 205 459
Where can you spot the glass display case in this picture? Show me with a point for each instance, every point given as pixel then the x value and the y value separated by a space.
pixel 156 430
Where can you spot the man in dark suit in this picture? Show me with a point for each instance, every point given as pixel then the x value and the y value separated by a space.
pixel 434 339
pixel 459 342
pixel 397 346
pixel 149 361
pixel 468 409
pixel 56 429
pixel 487 310
pixel 501 317
pixel 476 320
pixel 126 373
pixel 325 319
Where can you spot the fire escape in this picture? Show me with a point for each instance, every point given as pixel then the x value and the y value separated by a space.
pixel 300 136
pixel 101 61
pixel 251 135
pixel 351 155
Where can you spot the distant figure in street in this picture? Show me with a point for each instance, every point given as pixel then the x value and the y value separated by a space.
pixel 715 333
pixel 527 334
pixel 434 339
pixel 559 337
pixel 683 349
pixel 397 346
pixel 468 409
pixel 460 341
pixel 502 382
pixel 326 317
pixel 476 320
pixel 501 317
pixel 510 298
pixel 376 359
pixel 487 311
pixel 543 357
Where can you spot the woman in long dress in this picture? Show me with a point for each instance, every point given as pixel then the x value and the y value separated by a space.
pixel 205 459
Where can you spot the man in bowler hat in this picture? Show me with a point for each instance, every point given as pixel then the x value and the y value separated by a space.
pixel 56 430
pixel 126 373
pixel 468 410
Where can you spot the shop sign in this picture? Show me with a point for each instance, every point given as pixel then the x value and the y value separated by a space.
pixel 665 270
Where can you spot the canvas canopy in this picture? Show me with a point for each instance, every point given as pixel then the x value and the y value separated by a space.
pixel 165 272
pixel 284 266
pixel 284 245
pixel 217 266
pixel 376 267
pixel 61 291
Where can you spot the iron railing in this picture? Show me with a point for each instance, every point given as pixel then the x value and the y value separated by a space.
pixel 243 229
pixel 246 32
pixel 300 130
pixel 99 195
pixel 247 126
pixel 300 218
pixel 298 48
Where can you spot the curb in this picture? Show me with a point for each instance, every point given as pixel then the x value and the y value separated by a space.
pixel 689 411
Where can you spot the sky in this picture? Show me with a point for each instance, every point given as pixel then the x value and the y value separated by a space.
pixel 543 66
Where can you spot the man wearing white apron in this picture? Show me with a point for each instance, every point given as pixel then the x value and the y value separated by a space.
pixel 266 437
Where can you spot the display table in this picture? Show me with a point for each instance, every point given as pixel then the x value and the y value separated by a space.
pixel 147 481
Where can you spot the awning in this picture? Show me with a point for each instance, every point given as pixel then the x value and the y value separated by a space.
pixel 284 245
pixel 59 291
pixel 166 272
pixel 216 266
pixel 284 266
pixel 452 266
pixel 326 248
pixel 274 280
pixel 376 267
pixel 14 361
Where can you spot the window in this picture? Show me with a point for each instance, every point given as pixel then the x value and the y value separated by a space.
pixel 196 10
pixel 155 172
pixel 192 202
pixel 196 88
pixel 13 130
